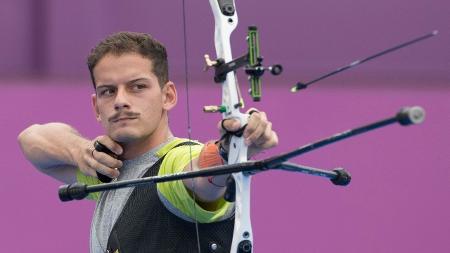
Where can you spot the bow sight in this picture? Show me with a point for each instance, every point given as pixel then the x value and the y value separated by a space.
pixel 251 62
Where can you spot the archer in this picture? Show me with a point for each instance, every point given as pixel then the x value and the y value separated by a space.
pixel 133 96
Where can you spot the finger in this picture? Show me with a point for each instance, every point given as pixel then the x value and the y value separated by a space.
pixel 106 159
pixel 88 171
pixel 274 139
pixel 107 171
pixel 268 139
pixel 110 144
pixel 85 161
pixel 255 121
pixel 257 137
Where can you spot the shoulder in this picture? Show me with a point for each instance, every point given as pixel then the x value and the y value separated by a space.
pixel 180 147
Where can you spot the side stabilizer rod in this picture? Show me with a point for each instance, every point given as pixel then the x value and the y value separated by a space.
pixel 338 176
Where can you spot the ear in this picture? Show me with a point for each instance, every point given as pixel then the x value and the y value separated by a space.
pixel 169 96
pixel 95 107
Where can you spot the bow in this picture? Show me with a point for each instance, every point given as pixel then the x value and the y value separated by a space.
pixel 226 20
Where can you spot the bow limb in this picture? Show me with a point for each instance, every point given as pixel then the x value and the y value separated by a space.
pixel 226 20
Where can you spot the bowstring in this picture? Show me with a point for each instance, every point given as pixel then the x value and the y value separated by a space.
pixel 189 129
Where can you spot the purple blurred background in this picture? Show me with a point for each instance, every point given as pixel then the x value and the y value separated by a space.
pixel 398 200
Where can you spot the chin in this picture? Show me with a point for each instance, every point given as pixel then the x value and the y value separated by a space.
pixel 125 136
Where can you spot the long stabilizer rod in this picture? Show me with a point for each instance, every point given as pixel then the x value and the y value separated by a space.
pixel 406 116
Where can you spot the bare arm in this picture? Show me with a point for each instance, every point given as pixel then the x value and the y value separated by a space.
pixel 57 150
pixel 207 190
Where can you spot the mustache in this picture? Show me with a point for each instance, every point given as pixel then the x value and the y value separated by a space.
pixel 119 115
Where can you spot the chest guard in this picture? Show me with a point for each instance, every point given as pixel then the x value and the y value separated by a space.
pixel 145 225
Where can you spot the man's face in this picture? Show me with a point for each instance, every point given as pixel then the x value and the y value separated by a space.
pixel 129 101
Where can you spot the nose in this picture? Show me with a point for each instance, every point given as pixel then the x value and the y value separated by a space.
pixel 122 100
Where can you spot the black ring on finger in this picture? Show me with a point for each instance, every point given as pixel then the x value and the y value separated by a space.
pixel 102 148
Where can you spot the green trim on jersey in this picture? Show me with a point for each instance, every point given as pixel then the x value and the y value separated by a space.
pixel 88 180
pixel 175 192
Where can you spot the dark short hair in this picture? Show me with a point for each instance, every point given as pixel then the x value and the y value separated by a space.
pixel 132 42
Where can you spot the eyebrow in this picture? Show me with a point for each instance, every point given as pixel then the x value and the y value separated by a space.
pixel 128 82
pixel 104 86
pixel 138 79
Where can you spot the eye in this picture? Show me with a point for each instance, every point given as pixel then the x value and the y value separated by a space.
pixel 107 91
pixel 138 86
